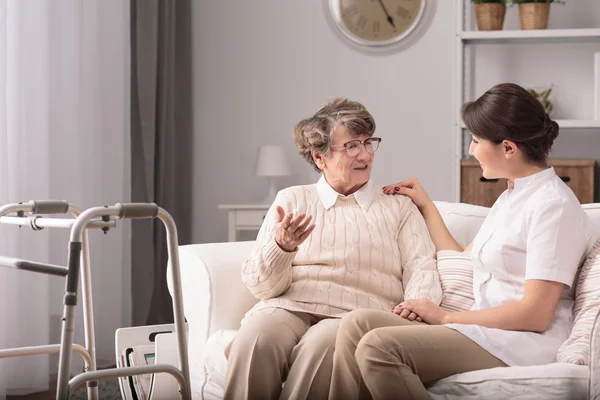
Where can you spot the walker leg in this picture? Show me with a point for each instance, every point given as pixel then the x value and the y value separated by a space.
pixel 173 250
pixel 88 315
pixel 68 322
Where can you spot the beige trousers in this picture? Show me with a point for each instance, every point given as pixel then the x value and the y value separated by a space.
pixel 275 345
pixel 381 355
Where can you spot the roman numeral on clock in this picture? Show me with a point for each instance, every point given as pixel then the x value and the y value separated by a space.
pixel 350 10
pixel 375 26
pixel 402 12
pixel 362 21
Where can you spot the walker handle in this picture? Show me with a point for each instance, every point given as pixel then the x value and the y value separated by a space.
pixel 138 210
pixel 49 206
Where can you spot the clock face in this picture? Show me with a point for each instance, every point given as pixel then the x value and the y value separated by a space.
pixel 376 22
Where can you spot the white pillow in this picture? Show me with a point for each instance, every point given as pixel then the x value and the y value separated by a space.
pixel 576 349
pixel 456 276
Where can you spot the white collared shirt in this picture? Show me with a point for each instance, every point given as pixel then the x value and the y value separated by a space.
pixel 328 196
pixel 536 230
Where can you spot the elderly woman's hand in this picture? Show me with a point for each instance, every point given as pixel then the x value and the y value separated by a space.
pixel 411 188
pixel 290 230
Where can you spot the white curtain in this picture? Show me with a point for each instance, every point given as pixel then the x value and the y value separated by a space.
pixel 64 134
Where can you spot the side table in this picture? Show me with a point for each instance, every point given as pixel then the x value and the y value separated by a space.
pixel 242 217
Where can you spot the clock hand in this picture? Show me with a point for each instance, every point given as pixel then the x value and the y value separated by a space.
pixel 389 18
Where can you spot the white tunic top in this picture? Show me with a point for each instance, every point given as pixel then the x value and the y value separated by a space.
pixel 537 230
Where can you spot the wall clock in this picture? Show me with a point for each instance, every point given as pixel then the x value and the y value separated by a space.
pixel 376 23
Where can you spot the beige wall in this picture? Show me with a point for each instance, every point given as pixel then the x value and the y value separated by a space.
pixel 263 65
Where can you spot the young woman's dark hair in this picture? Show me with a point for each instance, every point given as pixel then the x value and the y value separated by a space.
pixel 509 112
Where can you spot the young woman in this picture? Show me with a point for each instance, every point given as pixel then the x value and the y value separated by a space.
pixel 525 258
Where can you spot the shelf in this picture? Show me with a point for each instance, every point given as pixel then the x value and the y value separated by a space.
pixel 572 124
pixel 538 35
pixel 555 162
pixel 578 123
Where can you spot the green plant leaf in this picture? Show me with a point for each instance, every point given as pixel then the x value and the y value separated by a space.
pixel 489 1
pixel 544 95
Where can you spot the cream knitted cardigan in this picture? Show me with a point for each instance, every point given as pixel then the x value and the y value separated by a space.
pixel 358 256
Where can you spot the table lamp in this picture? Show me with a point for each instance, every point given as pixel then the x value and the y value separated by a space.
pixel 271 163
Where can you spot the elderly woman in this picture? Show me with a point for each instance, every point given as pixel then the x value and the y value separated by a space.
pixel 324 250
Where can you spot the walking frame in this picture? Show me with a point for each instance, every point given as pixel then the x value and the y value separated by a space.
pixel 104 218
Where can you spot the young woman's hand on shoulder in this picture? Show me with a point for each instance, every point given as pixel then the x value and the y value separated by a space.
pixel 440 235
pixel 411 188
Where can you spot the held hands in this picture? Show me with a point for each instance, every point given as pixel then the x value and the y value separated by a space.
pixel 406 314
pixel 411 188
pixel 290 230
pixel 424 309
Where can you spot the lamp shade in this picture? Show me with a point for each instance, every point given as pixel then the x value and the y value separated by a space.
pixel 271 161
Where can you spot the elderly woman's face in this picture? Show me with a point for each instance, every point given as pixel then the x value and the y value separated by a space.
pixel 343 172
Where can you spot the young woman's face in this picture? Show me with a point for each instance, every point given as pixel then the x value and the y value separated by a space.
pixel 491 157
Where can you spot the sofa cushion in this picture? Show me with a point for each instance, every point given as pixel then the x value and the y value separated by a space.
pixel 593 211
pixel 576 349
pixel 456 276
pixel 215 361
pixel 549 382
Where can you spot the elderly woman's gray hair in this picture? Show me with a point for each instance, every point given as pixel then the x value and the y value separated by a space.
pixel 315 132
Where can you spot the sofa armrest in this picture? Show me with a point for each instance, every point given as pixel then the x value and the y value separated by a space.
pixel 595 360
pixel 214 296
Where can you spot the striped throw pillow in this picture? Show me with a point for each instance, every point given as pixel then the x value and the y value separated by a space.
pixel 456 276
pixel 576 349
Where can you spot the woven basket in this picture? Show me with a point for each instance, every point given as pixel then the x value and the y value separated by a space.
pixel 490 16
pixel 534 15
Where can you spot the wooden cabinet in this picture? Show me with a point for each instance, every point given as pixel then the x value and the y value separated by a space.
pixel 475 189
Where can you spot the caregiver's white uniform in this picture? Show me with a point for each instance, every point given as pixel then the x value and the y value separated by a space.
pixel 537 230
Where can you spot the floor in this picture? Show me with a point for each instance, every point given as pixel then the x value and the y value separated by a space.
pixel 108 390
pixel 48 395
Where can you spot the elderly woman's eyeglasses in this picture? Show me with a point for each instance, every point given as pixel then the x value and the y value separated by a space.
pixel 353 147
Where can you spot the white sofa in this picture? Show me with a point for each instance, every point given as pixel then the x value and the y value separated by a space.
pixel 215 300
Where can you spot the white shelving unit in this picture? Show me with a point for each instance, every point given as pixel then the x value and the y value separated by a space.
pixel 537 36
pixel 571 123
pixel 466 37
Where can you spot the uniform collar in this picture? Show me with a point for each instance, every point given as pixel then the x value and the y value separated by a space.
pixel 328 196
pixel 541 176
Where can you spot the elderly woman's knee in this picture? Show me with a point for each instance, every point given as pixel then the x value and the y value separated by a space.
pixel 264 334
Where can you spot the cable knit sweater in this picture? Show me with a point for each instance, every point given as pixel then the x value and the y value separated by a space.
pixel 368 250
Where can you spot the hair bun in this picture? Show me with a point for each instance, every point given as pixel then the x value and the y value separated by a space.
pixel 551 128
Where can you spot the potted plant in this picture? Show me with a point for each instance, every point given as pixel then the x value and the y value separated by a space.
pixel 489 14
pixel 544 95
pixel 533 14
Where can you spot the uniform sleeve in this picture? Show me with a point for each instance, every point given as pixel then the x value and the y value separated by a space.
pixel 556 242
pixel 417 255
pixel 267 272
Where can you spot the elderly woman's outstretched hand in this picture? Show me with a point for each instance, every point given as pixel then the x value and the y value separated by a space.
pixel 290 230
